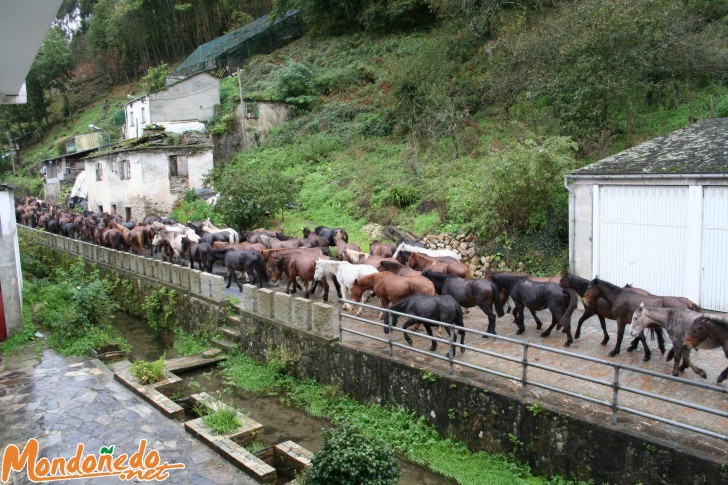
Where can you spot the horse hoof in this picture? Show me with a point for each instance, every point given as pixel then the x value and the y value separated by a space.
pixel 604 342
pixel 647 358
pixel 612 353
pixel 545 334
pixel 567 344
pixel 702 374
pixel 630 349
pixel 520 331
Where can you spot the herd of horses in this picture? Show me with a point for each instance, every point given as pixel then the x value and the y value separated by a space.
pixel 406 277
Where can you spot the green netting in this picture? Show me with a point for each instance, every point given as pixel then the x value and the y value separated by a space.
pixel 257 37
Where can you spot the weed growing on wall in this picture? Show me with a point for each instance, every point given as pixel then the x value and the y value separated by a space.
pixel 190 343
pixel 159 308
pixel 223 420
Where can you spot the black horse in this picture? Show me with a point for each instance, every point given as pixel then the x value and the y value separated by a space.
pixel 328 233
pixel 539 295
pixel 441 308
pixel 469 293
pixel 200 252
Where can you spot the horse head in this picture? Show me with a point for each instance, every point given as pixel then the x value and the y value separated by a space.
pixel 319 271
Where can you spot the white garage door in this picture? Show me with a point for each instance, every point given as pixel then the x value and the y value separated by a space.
pixel 713 286
pixel 640 238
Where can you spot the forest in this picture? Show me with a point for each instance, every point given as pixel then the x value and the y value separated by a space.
pixel 434 115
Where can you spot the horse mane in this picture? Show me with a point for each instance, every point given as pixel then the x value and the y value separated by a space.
pixel 606 283
pixel 435 275
pixel 576 282
pixel 392 264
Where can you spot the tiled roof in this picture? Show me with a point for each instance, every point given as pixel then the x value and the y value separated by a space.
pixel 701 148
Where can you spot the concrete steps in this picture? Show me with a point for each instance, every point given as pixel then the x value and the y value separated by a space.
pixel 224 344
pixel 231 334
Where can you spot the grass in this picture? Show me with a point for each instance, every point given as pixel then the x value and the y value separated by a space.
pixel 223 420
pixel 26 334
pixel 189 343
pixel 408 433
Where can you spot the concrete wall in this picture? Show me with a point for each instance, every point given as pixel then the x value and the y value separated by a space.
pixel 11 278
pixel 149 190
pixel 270 113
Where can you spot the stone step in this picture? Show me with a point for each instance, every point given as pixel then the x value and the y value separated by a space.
pixel 224 344
pixel 234 320
pixel 232 334
pixel 184 364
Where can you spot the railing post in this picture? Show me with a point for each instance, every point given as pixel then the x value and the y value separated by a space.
pixel 390 336
pixel 615 394
pixel 341 323
pixel 451 353
pixel 524 372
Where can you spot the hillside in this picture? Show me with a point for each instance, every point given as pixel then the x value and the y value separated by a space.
pixel 436 127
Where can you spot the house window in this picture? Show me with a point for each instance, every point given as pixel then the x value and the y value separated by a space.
pixel 178 166
pixel 251 111
pixel 131 118
pixel 144 120
pixel 101 209
pixel 113 208
pixel 98 171
pixel 128 213
pixel 125 170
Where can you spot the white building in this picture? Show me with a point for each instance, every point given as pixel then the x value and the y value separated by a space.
pixel 183 106
pixel 656 216
pixel 145 181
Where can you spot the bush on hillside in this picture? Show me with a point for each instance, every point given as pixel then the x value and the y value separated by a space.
pixel 347 456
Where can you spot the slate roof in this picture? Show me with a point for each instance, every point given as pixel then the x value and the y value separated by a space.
pixel 701 148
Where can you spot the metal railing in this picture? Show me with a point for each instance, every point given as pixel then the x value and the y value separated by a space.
pixel 614 383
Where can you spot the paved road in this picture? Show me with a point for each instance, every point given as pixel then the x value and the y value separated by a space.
pixel 66 401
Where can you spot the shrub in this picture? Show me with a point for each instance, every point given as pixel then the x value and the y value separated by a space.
pixel 148 372
pixel 295 80
pixel 347 456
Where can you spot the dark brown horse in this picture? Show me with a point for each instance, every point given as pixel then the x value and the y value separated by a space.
pixel 421 262
pixel 709 333
pixel 622 302
pixel 398 268
pixel 377 248
pixel 342 245
pixel 469 293
pixel 303 266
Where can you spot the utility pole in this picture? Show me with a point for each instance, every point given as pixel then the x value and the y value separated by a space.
pixel 12 151
pixel 242 102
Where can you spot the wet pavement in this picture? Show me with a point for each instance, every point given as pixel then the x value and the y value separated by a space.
pixel 66 401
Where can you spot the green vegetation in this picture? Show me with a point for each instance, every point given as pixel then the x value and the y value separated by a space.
pixel 159 307
pixel 148 372
pixel 191 208
pixel 406 433
pixel 75 307
pixel 348 456
pixel 433 115
pixel 223 420
pixel 27 334
pixel 190 343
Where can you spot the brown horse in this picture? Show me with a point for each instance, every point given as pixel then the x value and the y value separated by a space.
pixel 278 259
pixel 303 266
pixel 391 288
pixel 377 248
pixel 454 268
pixel 358 257
pixel 341 245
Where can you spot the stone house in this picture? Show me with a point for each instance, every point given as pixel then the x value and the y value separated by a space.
pixel 146 180
pixel 656 215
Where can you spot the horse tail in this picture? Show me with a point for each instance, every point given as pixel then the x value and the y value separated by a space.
pixel 565 319
pixel 262 271
pixel 497 301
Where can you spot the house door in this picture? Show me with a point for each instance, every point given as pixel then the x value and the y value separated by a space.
pixel 182 170
pixel 714 264
pixel 640 236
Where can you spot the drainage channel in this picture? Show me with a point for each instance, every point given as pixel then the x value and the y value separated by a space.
pixel 280 422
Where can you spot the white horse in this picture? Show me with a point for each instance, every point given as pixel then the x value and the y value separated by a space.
pixel 175 240
pixel 345 273
pixel 178 229
pixel 434 253
pixel 208 226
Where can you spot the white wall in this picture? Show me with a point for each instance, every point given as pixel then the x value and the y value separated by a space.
pixel 11 277
pixel 686 271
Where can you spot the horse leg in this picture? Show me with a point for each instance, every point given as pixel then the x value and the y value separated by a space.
pixel 555 316
pixel 660 341
pixel 518 313
pixel 407 325
pixel 491 318
pixel 230 279
pixel 325 284
pixel 603 323
pixel 620 336
pixel 535 317
pixel 433 344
